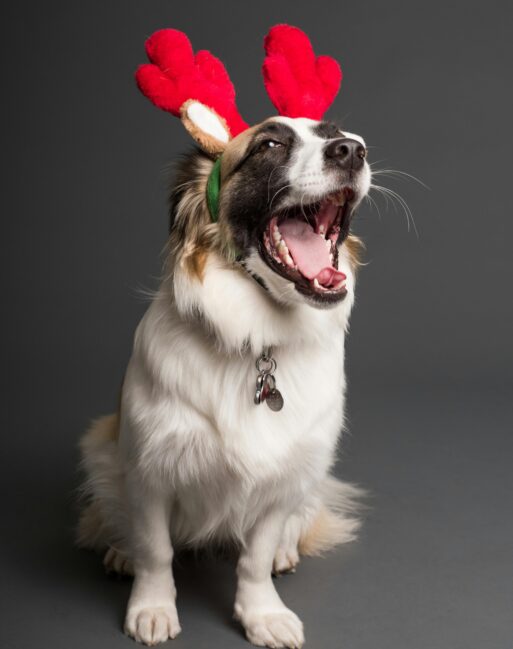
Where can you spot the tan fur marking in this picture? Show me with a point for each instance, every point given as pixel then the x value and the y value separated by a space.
pixel 196 261
pixel 235 150
pixel 355 248
pixel 328 529
pixel 105 428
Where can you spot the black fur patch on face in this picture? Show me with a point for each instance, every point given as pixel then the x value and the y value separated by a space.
pixel 327 130
pixel 255 182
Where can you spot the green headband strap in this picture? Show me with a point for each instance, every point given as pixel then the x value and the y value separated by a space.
pixel 213 190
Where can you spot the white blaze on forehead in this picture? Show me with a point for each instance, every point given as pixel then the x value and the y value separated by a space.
pixel 307 174
pixel 304 128
pixel 307 160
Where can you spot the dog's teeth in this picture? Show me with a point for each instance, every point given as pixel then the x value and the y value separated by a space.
pixel 276 235
pixel 316 283
pixel 282 248
pixel 322 229
pixel 328 244
pixel 289 261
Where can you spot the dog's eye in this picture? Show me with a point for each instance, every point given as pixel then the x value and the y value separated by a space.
pixel 270 144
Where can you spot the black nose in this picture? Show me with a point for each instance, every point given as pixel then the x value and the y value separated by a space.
pixel 346 152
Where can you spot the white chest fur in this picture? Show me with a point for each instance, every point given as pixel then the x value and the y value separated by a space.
pixel 188 418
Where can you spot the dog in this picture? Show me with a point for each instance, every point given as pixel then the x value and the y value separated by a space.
pixel 252 312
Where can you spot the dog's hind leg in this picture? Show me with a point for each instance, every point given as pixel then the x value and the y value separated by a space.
pixel 325 519
pixel 286 557
pixel 102 523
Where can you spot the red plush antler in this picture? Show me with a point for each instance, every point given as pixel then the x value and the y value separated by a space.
pixel 196 88
pixel 298 83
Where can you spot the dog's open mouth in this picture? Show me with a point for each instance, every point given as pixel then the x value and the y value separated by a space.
pixel 301 245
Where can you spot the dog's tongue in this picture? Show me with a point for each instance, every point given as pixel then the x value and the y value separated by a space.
pixel 310 252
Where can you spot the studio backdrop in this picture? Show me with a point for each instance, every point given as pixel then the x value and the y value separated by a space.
pixel 87 162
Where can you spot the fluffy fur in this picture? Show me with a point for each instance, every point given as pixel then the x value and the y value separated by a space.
pixel 190 459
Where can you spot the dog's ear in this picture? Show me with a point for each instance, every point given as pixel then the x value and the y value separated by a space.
pixel 194 87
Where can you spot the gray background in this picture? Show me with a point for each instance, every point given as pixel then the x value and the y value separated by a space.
pixel 430 351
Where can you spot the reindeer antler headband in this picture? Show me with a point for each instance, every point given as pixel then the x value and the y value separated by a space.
pixel 197 88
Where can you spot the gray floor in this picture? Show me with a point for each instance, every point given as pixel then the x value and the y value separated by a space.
pixel 433 567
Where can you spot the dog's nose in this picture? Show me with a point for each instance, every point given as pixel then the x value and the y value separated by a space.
pixel 346 152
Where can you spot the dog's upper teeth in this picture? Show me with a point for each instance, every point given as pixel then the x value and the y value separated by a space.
pixel 289 261
pixel 322 229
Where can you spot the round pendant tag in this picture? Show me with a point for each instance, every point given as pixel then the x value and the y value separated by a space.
pixel 274 400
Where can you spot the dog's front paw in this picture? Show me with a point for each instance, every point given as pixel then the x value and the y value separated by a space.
pixel 152 624
pixel 274 628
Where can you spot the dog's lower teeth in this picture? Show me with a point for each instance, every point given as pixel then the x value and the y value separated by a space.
pixel 289 261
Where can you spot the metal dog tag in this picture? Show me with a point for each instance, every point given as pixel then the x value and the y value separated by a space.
pixel 274 400
pixel 260 387
pixel 266 389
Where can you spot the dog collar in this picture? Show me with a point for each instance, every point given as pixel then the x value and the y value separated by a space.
pixel 213 190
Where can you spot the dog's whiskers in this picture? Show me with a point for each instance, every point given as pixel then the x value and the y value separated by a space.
pixel 270 176
pixel 394 196
pixel 402 175
pixel 276 194
pixel 373 204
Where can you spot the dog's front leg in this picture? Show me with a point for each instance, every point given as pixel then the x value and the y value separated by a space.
pixel 151 615
pixel 266 619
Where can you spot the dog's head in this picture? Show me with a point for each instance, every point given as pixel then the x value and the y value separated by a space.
pixel 289 189
pixel 280 195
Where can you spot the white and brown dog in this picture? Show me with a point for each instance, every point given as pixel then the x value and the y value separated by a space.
pixel 190 459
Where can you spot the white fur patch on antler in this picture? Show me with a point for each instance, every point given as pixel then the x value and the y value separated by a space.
pixel 207 127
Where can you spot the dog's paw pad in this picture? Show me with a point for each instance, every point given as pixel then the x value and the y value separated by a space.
pixel 152 625
pixel 280 629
